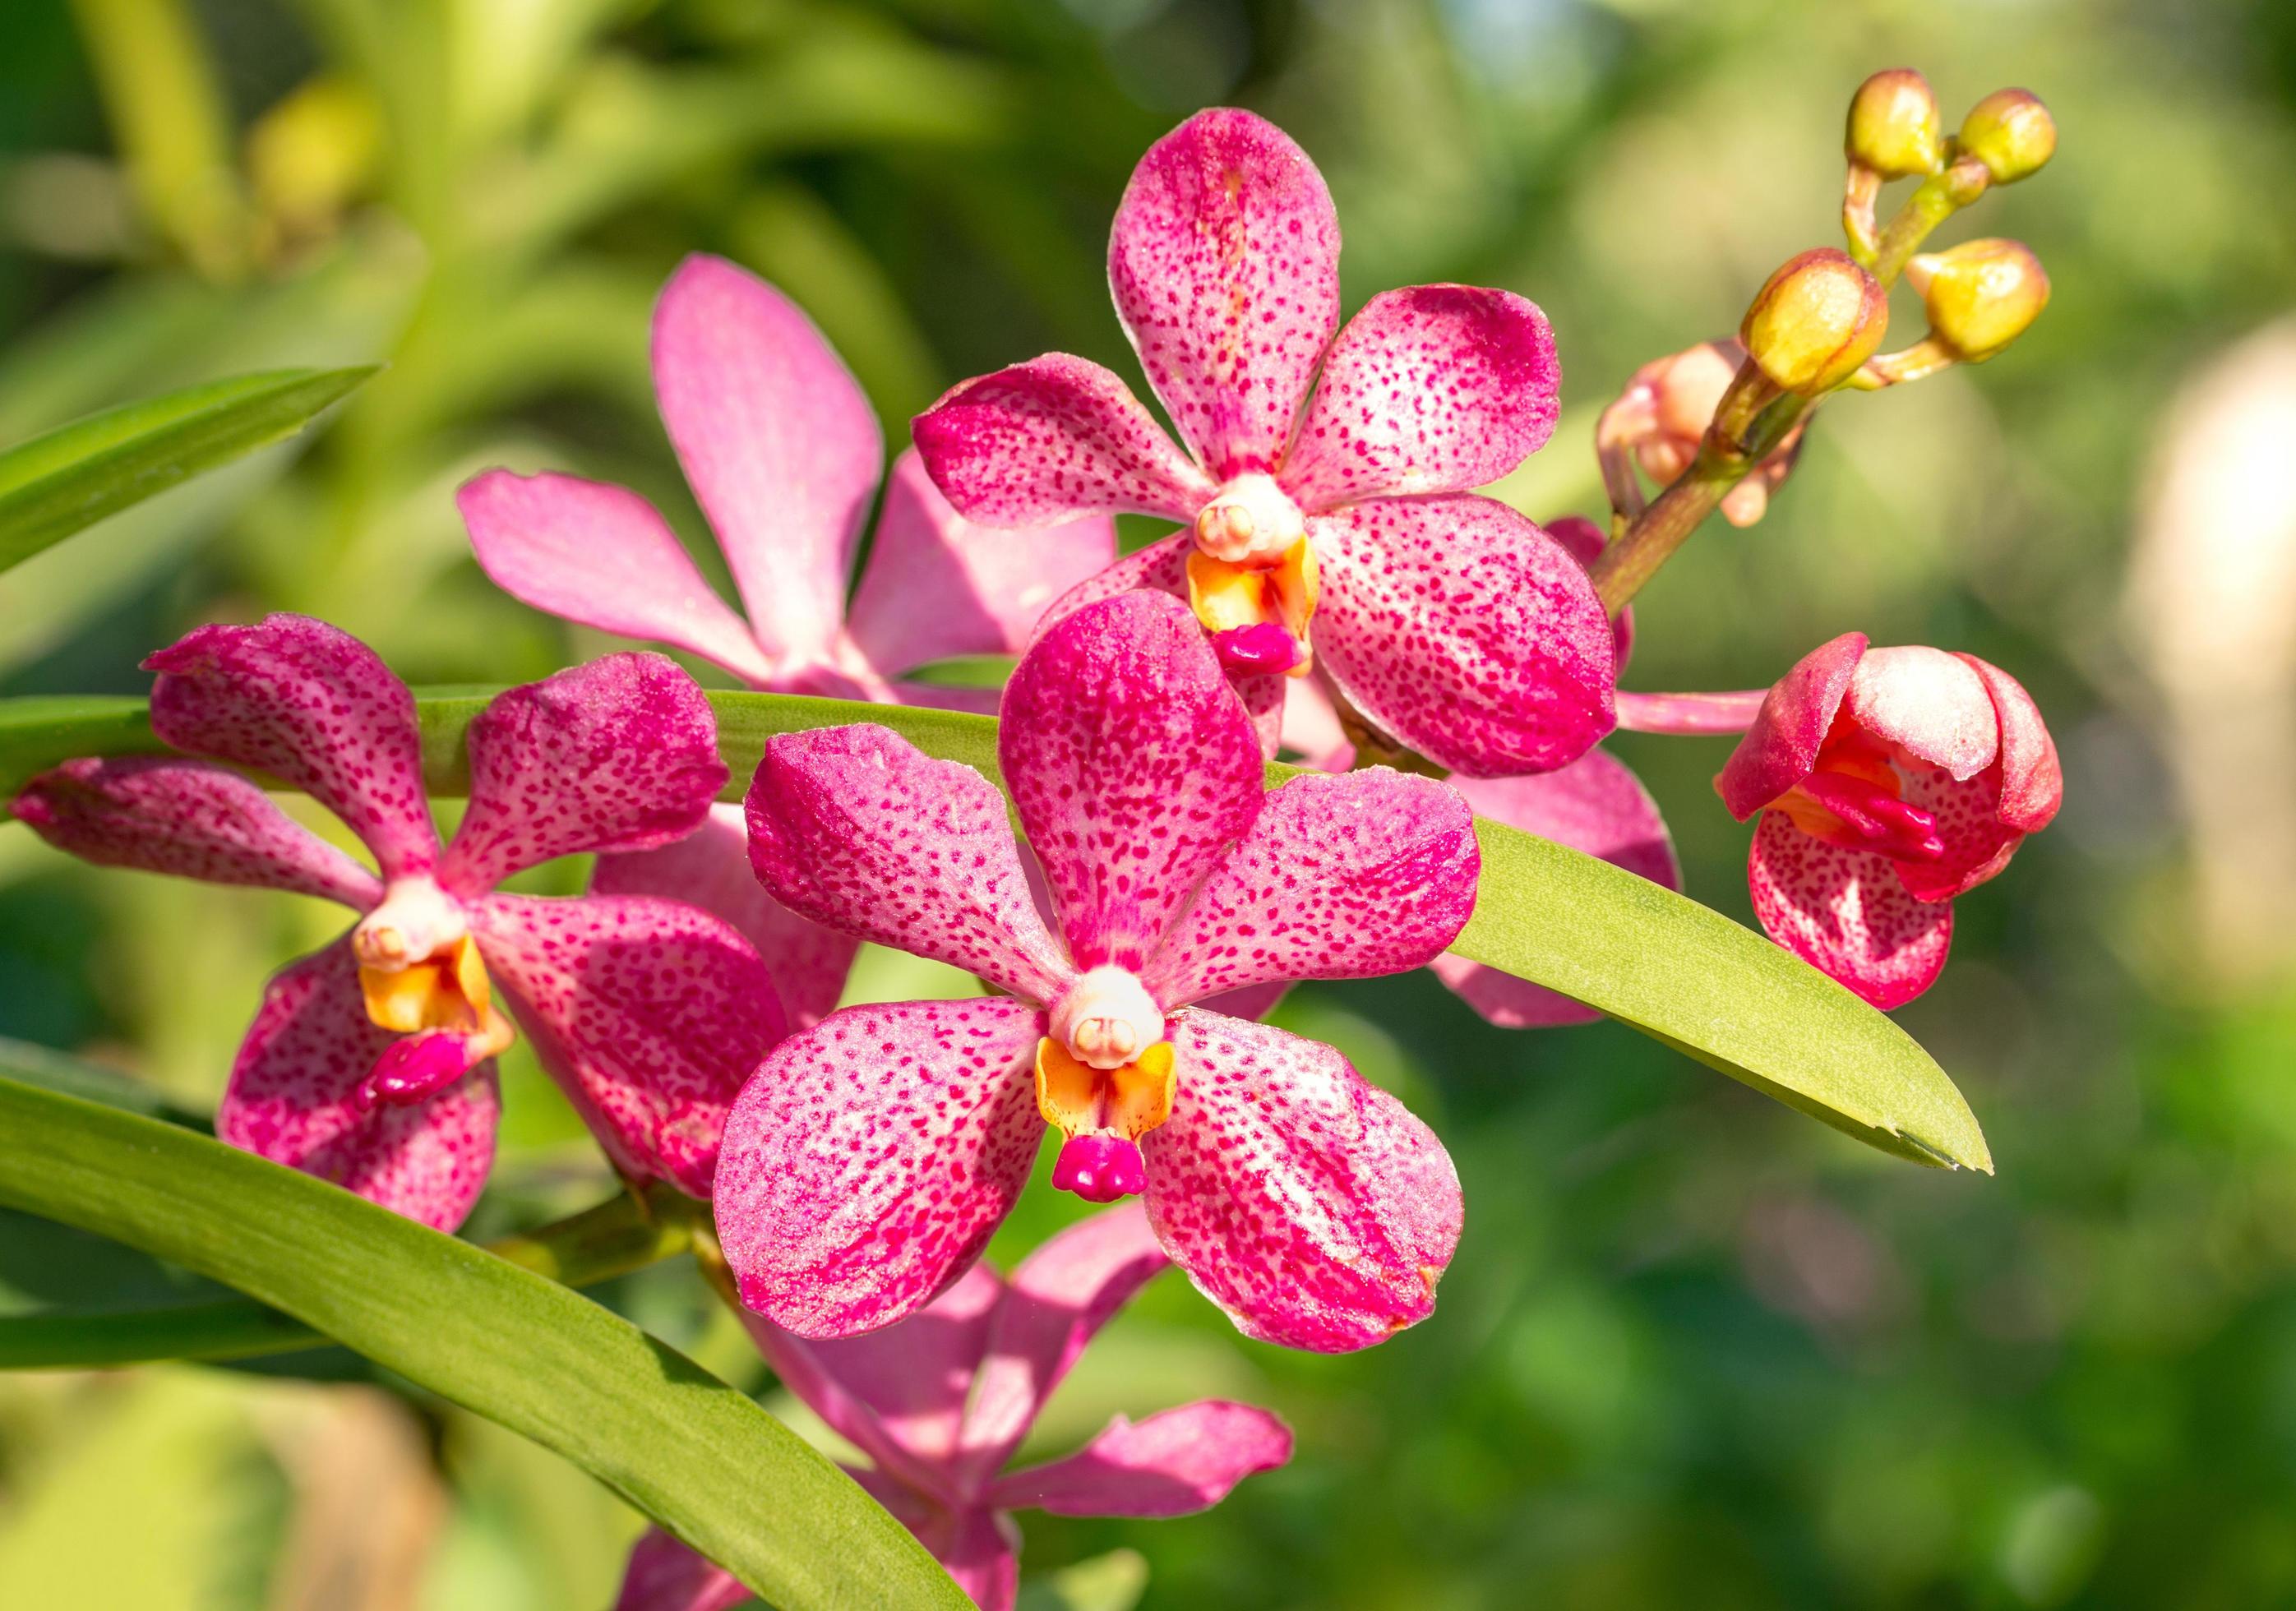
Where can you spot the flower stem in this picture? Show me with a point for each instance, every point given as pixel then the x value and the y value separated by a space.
pixel 1751 423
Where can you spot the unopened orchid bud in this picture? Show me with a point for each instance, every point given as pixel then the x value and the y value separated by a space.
pixel 2012 132
pixel 1980 295
pixel 1816 321
pixel 1894 127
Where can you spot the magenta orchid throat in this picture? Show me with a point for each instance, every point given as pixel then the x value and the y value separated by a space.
pixel 871 1158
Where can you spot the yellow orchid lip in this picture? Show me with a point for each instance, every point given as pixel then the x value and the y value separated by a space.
pixel 447 991
pixel 1258 615
pixel 1128 1101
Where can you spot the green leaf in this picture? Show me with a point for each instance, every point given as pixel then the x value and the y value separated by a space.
pixel 53 485
pixel 677 1443
pixel 1654 960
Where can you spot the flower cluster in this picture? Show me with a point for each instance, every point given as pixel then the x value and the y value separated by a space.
pixel 1335 587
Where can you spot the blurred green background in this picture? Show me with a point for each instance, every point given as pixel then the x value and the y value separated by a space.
pixel 1695 1349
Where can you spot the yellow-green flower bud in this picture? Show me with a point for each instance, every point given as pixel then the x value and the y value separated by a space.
pixel 1816 321
pixel 1894 127
pixel 1980 295
pixel 2012 132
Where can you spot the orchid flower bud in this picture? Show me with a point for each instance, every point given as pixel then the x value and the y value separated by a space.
pixel 2012 132
pixel 1980 295
pixel 1815 321
pixel 1894 127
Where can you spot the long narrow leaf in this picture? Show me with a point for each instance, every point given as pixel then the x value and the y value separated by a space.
pixel 54 484
pixel 1657 960
pixel 682 1446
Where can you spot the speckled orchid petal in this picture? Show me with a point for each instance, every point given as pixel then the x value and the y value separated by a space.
pixel 709 868
pixel 1175 1463
pixel 1056 1303
pixel 1780 749
pixel 1595 804
pixel 1162 567
pixel 1432 388
pixel 1341 878
pixel 1303 1200
pixel 665 1576
pixel 857 828
pixel 778 441
pixel 600 555
pixel 648 1014
pixel 1050 440
pixel 936 585
pixel 189 818
pixel 1847 913
pixel 618 754
pixel 1931 706
pixel 1978 845
pixel 1461 628
pixel 293 1098
pixel 870 1159
pixel 1133 766
pixel 1225 262
pixel 313 706
pixel 897 1393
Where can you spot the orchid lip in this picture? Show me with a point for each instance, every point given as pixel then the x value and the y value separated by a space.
pixel 1862 813
pixel 1260 648
pixel 417 1067
pixel 1100 1168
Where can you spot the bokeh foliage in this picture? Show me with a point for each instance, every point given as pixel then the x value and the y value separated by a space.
pixel 1695 1349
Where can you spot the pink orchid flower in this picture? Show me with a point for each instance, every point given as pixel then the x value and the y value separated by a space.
pixel 939 1403
pixel 873 1155
pixel 1889 780
pixel 1331 531
pixel 784 452
pixel 370 1063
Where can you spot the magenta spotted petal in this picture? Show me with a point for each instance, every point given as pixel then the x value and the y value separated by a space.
pixel 1437 388
pixel 870 1159
pixel 293 1099
pixel 1225 264
pixel 1299 1198
pixel 1052 440
pixel 709 868
pixel 189 818
pixel 1461 628
pixel 854 828
pixel 1595 804
pixel 650 1015
pixel 619 754
pixel 1133 766
pixel 1847 913
pixel 1340 877
pixel 312 706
